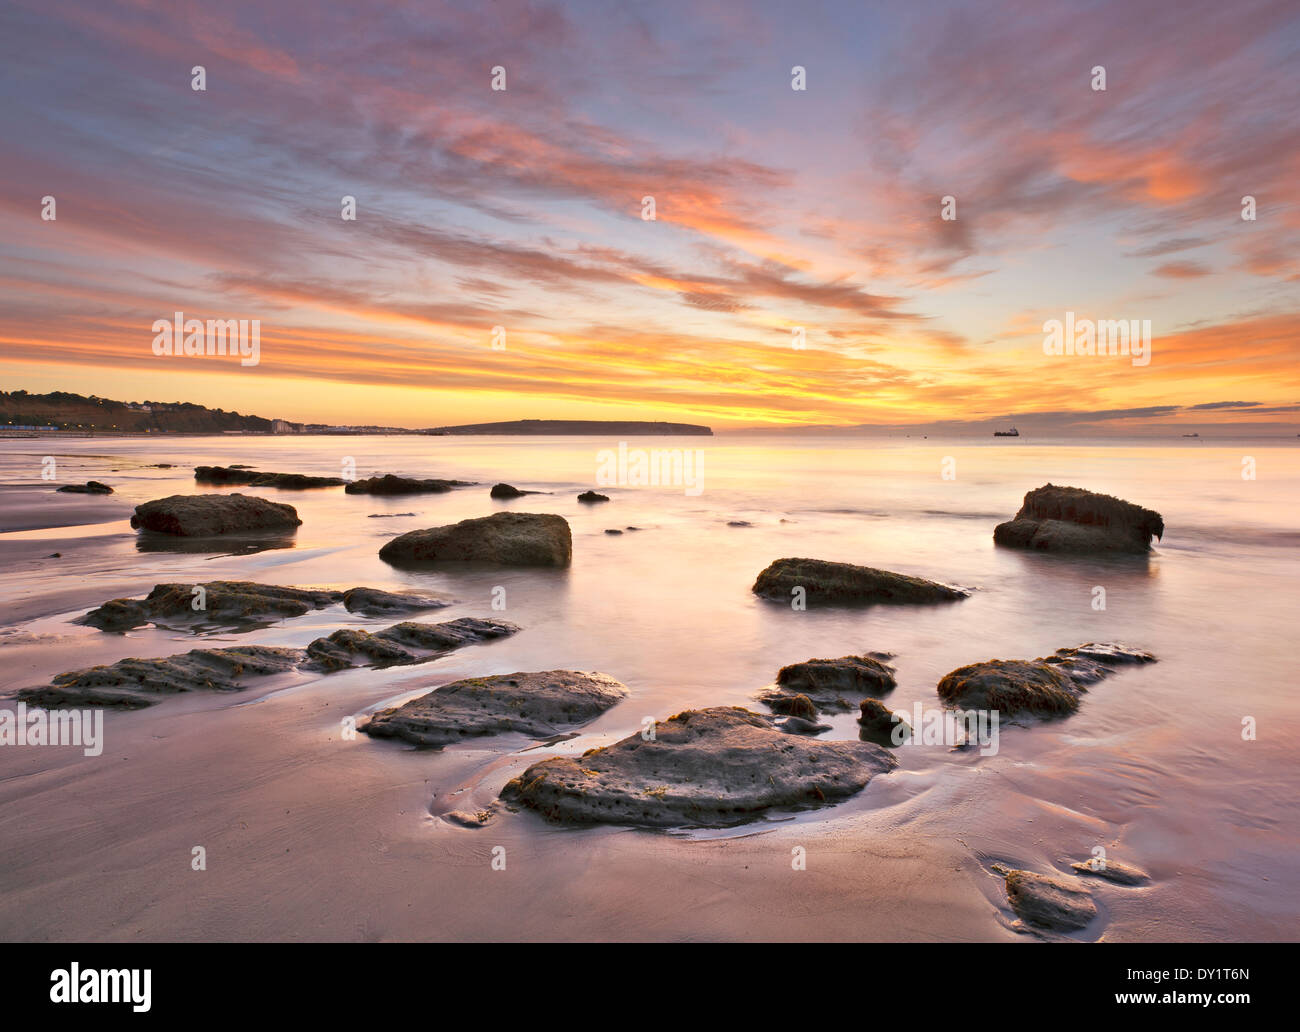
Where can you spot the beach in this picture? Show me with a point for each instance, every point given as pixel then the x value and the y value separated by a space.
pixel 310 834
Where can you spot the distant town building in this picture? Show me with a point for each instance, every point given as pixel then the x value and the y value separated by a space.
pixel 283 426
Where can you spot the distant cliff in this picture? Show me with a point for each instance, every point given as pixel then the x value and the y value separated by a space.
pixel 75 412
pixel 578 427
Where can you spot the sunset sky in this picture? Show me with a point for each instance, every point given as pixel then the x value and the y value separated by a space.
pixel 775 208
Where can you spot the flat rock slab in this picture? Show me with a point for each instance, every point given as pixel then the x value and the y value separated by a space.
pixel 89 487
pixel 245 604
pixel 828 683
pixel 1112 870
pixel 395 485
pixel 704 768
pixel 213 515
pixel 135 683
pixel 509 538
pixel 1050 902
pixel 843 583
pixel 241 476
pixel 1047 687
pixel 539 704
pixel 1072 520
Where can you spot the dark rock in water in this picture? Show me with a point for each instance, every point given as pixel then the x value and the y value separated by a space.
pixel 387 515
pixel 89 487
pixel 829 583
pixel 400 644
pixel 1112 870
pixel 535 704
pixel 793 725
pixel 592 496
pixel 135 683
pixel 510 538
pixel 1070 519
pixel 793 705
pixel 244 604
pixel 508 491
pixel 224 603
pixel 394 485
pixel 373 602
pixel 55 555
pixel 1049 902
pixel 1047 687
pixel 739 523
pixel 827 681
pixel 880 725
pixel 708 767
pixel 242 476
pixel 613 532
pixel 213 514
pixel 631 528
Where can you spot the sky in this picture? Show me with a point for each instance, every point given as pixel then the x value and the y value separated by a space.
pixel 775 209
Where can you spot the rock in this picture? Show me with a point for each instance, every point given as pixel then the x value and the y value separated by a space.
pixel 394 485
pixel 1070 519
pixel 793 705
pixel 1047 687
pixel 707 767
pixel 535 704
pixel 592 496
pixel 613 532
pixel 387 515
pixel 467 819
pixel 242 476
pixel 793 725
pixel 507 491
pixel 830 583
pixel 881 726
pixel 1049 902
pixel 55 555
pixel 225 603
pixel 374 602
pixel 402 643
pixel 739 523
pixel 89 487
pixel 827 681
pixel 631 528
pixel 1112 870
pixel 511 538
pixel 213 514
pixel 135 683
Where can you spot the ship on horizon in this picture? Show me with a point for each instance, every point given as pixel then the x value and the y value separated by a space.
pixel 1013 432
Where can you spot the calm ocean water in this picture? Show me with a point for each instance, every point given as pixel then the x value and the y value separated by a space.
pixel 1153 767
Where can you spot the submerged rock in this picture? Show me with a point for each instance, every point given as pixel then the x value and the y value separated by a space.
pixel 826 682
pixel 1048 901
pixel 1112 870
pixel 706 767
pixel 468 818
pixel 829 582
pixel 511 538
pixel 538 704
pixel 374 602
pixel 1070 519
pixel 509 491
pixel 880 725
pixel 592 496
pixel 135 683
pixel 244 604
pixel 89 487
pixel 242 476
pixel 389 484
pixel 408 642
pixel 213 514
pixel 1047 687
